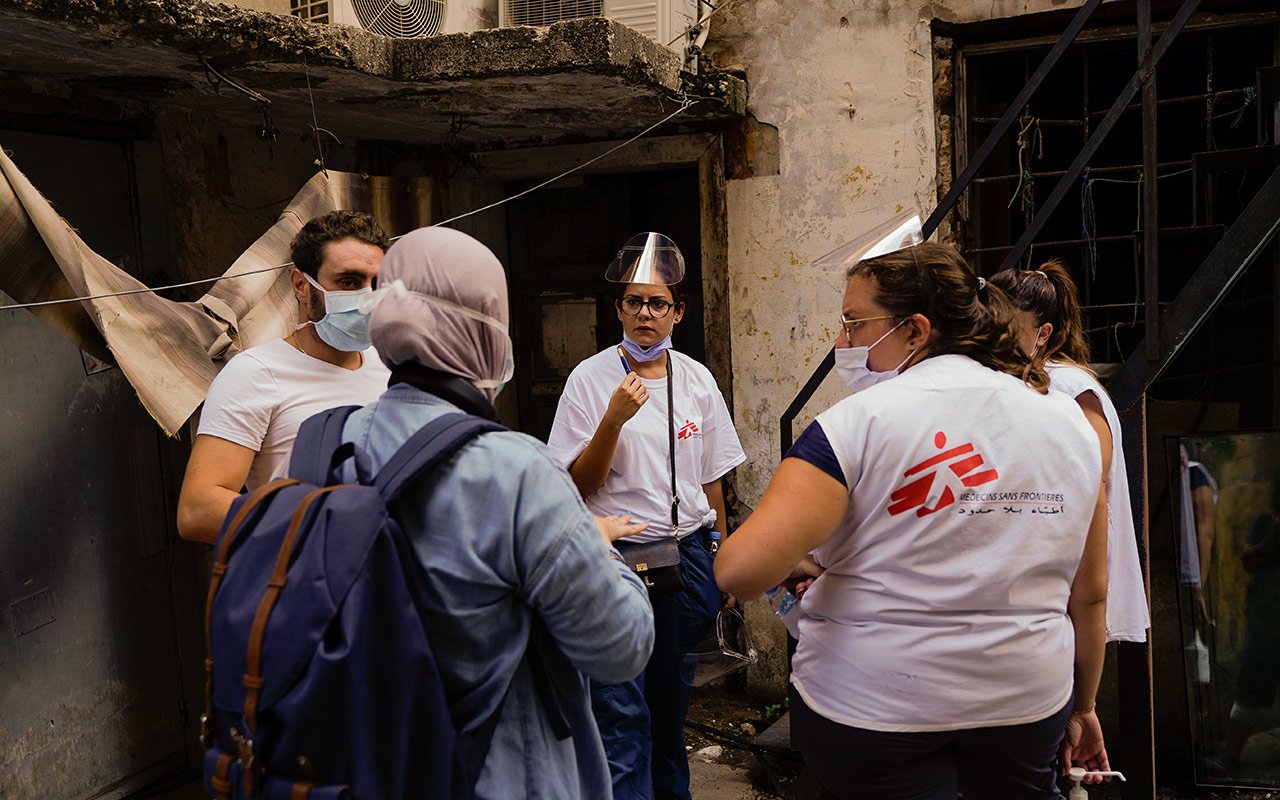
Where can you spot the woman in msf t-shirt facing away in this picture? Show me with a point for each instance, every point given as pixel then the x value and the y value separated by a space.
pixel 949 511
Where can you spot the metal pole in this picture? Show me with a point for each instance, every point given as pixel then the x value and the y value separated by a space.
pixel 1150 189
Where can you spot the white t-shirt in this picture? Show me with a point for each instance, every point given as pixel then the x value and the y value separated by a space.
pixel 943 605
pixel 263 395
pixel 639 480
pixel 1127 614
pixel 1189 557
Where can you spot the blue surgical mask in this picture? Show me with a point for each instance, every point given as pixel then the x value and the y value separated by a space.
pixel 344 327
pixel 643 354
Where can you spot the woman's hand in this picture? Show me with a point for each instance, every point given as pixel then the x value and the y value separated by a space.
pixel 626 400
pixel 1082 745
pixel 803 576
pixel 614 528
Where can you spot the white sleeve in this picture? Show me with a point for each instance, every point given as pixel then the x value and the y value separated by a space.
pixel 721 450
pixel 240 403
pixel 573 427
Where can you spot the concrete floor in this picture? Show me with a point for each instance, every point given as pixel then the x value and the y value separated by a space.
pixel 708 782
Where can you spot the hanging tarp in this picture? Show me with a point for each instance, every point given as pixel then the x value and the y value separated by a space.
pixel 171 351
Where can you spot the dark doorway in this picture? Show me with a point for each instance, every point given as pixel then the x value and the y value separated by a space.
pixel 92 697
pixel 559 242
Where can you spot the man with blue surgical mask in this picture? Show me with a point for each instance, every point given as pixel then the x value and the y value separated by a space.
pixel 256 404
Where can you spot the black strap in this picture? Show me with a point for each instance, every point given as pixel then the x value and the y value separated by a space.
pixel 671 449
pixel 435 442
pixel 319 449
pixel 452 388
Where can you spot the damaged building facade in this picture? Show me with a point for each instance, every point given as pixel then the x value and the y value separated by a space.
pixel 171 135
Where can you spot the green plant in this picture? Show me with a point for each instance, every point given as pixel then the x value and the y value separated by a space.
pixel 776 709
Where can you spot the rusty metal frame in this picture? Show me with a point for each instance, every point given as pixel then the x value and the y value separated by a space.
pixel 1252 231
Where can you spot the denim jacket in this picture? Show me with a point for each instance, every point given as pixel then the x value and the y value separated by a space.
pixel 500 529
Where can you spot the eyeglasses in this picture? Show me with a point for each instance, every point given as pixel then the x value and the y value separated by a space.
pixel 658 306
pixel 851 325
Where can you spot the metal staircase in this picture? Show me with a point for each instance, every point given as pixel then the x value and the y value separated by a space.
pixel 1232 248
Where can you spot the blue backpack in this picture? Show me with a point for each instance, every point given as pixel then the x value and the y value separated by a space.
pixel 321 681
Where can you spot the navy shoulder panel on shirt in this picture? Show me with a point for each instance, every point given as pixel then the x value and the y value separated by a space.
pixel 814 447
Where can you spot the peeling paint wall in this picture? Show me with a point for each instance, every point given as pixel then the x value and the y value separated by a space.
pixel 849 87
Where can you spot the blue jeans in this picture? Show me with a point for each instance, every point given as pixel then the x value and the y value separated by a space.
pixel 642 721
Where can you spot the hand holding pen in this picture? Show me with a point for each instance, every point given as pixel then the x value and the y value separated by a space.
pixel 627 399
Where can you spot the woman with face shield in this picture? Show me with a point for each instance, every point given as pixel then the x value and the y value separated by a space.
pixel 1050 332
pixel 943 527
pixel 505 543
pixel 645 432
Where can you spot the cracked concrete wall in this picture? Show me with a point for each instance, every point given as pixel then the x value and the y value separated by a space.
pixel 849 87
pixel 225 186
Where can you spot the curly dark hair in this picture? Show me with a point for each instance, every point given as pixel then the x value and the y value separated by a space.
pixel 935 280
pixel 1049 294
pixel 307 250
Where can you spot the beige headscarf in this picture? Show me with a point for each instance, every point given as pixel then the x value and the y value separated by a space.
pixel 442 303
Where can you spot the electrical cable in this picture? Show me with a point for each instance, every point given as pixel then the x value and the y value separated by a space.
pixel 701 21
pixel 684 106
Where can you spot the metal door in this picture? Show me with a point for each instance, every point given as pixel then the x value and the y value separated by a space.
pixel 559 242
pixel 91 690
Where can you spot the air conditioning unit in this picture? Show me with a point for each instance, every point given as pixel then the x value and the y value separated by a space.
pixel 401 18
pixel 662 20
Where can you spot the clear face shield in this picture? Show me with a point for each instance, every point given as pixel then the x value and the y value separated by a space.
pixel 902 231
pixel 729 651
pixel 647 258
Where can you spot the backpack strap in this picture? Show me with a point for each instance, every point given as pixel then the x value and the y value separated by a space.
pixel 319 447
pixel 439 439
pixel 258 499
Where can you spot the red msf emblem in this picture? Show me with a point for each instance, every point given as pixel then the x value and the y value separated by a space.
pixel 963 472
pixel 689 429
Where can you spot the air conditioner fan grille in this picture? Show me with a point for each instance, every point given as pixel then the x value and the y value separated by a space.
pixel 400 18
pixel 546 12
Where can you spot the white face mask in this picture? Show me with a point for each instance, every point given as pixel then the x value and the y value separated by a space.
pixel 851 364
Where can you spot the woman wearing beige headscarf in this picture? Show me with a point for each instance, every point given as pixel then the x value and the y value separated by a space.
pixel 501 534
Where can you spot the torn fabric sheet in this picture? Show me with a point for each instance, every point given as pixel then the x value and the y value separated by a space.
pixel 171 351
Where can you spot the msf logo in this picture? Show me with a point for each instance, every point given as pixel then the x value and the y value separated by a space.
pixel 689 428
pixel 956 469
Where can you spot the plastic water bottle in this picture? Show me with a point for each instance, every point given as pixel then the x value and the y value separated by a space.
pixel 714 546
pixel 787 606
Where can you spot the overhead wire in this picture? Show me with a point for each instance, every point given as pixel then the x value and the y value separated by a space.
pixel 701 21
pixel 684 106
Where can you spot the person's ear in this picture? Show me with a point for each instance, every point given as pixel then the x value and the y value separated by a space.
pixel 679 313
pixel 301 287
pixel 920 331
pixel 1043 334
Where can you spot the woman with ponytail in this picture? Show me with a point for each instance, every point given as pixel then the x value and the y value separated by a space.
pixel 943 527
pixel 1050 332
